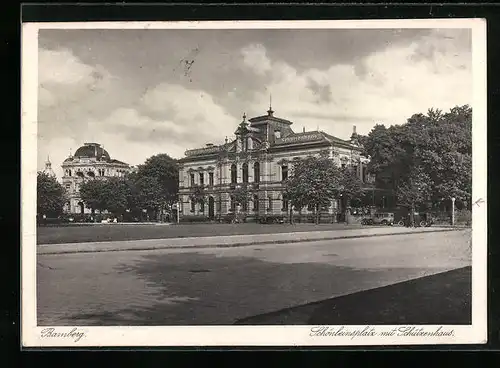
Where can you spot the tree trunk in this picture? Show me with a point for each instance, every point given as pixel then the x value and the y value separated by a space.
pixel 412 216
pixel 291 214
pixel 316 219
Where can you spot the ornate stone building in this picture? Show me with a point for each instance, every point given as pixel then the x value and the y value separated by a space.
pixel 90 161
pixel 261 156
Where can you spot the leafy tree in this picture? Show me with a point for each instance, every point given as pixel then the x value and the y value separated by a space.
pixel 198 195
pixel 440 144
pixel 415 190
pixel 313 181
pixel 147 190
pixel 117 195
pixel 165 170
pixel 93 194
pixel 349 186
pixel 241 195
pixel 51 196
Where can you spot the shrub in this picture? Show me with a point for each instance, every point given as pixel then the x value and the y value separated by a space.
pixel 194 218
pixel 463 217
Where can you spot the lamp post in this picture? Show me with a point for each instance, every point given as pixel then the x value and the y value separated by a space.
pixel 178 210
pixel 452 211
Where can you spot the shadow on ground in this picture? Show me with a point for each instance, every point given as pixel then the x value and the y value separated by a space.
pixel 444 298
pixel 186 289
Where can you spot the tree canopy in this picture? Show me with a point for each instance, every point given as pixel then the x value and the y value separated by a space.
pixel 164 169
pixel 436 144
pixel 314 181
pixel 51 196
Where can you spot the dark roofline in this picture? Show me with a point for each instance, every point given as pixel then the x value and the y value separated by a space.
pixel 260 119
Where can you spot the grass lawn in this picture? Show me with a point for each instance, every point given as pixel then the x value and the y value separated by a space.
pixel 116 232
pixel 444 298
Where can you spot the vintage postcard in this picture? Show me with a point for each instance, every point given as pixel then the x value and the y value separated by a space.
pixel 318 183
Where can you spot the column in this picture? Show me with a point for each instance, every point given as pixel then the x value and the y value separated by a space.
pixel 239 173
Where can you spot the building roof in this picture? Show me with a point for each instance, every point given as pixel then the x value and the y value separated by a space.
pixel 93 150
pixel 288 138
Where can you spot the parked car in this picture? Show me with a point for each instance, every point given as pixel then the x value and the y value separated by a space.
pixel 420 219
pixel 272 219
pixel 383 218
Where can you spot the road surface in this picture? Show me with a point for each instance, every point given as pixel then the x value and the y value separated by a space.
pixel 222 285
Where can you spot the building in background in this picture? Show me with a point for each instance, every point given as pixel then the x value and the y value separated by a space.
pixel 261 156
pixel 90 161
pixel 48 169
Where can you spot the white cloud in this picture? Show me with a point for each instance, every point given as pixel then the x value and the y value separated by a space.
pixel 396 83
pixel 254 56
pixel 192 112
pixel 61 66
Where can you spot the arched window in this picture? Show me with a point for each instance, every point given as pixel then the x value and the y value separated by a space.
pixel 244 170
pixel 256 203
pixel 234 174
pixel 256 172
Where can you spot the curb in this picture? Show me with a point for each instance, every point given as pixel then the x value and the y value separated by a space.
pixel 235 245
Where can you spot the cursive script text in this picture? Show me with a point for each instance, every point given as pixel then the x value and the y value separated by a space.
pixel 74 334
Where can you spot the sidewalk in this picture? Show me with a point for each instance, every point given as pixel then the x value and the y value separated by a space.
pixel 443 298
pixel 229 241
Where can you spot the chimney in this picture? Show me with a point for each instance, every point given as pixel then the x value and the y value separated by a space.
pixel 354 129
pixel 303 129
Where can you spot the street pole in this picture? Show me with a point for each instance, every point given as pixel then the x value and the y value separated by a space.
pixel 178 210
pixel 453 211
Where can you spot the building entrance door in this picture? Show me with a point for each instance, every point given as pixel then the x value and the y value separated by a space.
pixel 211 207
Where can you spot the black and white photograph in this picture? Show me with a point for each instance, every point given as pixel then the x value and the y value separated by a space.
pixel 254 183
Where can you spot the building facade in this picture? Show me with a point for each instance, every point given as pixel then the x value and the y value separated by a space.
pixel 90 162
pixel 260 157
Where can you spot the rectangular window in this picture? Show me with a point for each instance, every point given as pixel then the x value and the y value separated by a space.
pixel 211 179
pixel 202 179
pixel 192 179
pixel 285 205
pixel 284 172
pixel 202 207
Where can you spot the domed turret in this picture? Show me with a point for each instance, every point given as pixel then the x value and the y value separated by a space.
pixel 92 150
pixel 48 168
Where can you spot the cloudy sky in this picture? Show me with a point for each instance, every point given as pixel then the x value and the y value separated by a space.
pixel 132 91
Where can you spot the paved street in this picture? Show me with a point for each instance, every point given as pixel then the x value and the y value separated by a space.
pixel 222 285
